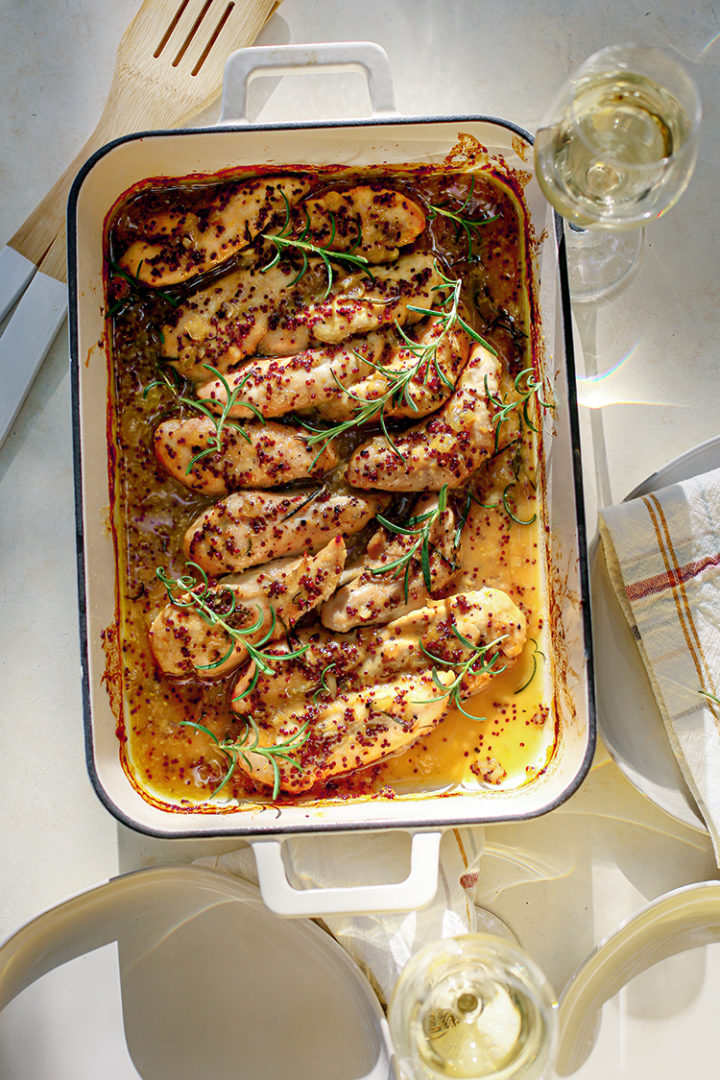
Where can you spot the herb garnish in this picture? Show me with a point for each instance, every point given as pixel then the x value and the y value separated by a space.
pixel 399 389
pixel 323 688
pixel 168 376
pixel 220 421
pixel 526 393
pixel 419 527
pixel 306 502
pixel 470 226
pixel 450 315
pixel 503 501
pixel 241 747
pixel 284 242
pixel 198 597
pixel 508 510
pixel 477 664
pixel 134 285
pixel 536 653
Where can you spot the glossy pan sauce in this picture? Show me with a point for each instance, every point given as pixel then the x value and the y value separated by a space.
pixel 503 542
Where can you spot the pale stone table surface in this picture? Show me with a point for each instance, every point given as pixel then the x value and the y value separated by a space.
pixel 653 393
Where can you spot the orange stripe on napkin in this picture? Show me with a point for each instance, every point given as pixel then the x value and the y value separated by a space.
pixel 638 590
pixel 465 879
pixel 676 582
pixel 461 848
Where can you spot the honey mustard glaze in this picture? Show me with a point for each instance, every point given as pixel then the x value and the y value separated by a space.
pixel 511 735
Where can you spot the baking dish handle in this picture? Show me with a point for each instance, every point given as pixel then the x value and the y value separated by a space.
pixel 416 891
pixel 281 59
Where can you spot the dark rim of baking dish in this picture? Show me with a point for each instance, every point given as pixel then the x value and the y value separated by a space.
pixel 285 829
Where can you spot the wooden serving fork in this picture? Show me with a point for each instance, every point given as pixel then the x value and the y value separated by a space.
pixel 169 67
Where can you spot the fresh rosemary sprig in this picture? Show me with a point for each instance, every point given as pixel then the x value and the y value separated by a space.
pixel 419 527
pixel 525 393
pixel 397 389
pixel 469 226
pixel 221 420
pixel 199 598
pixel 503 501
pixel 478 656
pixel 505 498
pixel 284 242
pixel 462 519
pixel 135 285
pixel 399 382
pixel 323 688
pixel 536 653
pixel 450 314
pixel 241 747
pixel 168 376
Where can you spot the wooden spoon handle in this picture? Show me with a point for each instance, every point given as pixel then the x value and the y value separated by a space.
pixel 126 109
pixel 37 237
pixel 138 100
pixel 47 220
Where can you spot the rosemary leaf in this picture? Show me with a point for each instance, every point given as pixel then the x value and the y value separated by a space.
pixel 467 225
pixel 240 747
pixel 399 382
pixel 536 653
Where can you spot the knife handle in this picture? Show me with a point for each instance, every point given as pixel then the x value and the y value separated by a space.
pixel 16 273
pixel 26 342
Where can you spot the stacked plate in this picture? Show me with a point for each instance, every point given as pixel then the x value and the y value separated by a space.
pixel 177 973
pixel 645 1002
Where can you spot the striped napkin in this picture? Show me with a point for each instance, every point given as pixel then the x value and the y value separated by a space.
pixel 663 556
pixel 381 944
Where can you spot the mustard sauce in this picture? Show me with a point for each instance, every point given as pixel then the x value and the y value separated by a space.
pixel 511 734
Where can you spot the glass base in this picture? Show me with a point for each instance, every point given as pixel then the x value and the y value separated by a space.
pixel 600 262
pixel 487 922
pixel 473 1007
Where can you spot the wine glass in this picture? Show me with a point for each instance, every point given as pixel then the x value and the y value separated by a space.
pixel 473 1006
pixel 616 149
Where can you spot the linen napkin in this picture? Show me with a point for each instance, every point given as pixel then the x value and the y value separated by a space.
pixel 381 944
pixel 663 557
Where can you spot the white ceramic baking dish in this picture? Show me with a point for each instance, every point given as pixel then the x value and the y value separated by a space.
pixel 390 139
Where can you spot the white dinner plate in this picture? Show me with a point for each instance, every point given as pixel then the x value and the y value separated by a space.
pixel 181 973
pixel 644 1003
pixel 629 720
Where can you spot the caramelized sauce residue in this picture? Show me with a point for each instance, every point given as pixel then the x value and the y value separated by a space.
pixel 514 735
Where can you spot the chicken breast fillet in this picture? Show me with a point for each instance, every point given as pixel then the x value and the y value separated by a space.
pixel 267 603
pixel 308 380
pixel 271 313
pixel 447 448
pixel 250 527
pixel 357 304
pixel 256 455
pixel 354 700
pixel 373 222
pixel 357 729
pixel 487 618
pixel 369 594
pixel 224 322
pixel 181 244
pixel 335 381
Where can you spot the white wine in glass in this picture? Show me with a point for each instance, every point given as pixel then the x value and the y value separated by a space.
pixel 616 149
pixel 470 1007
